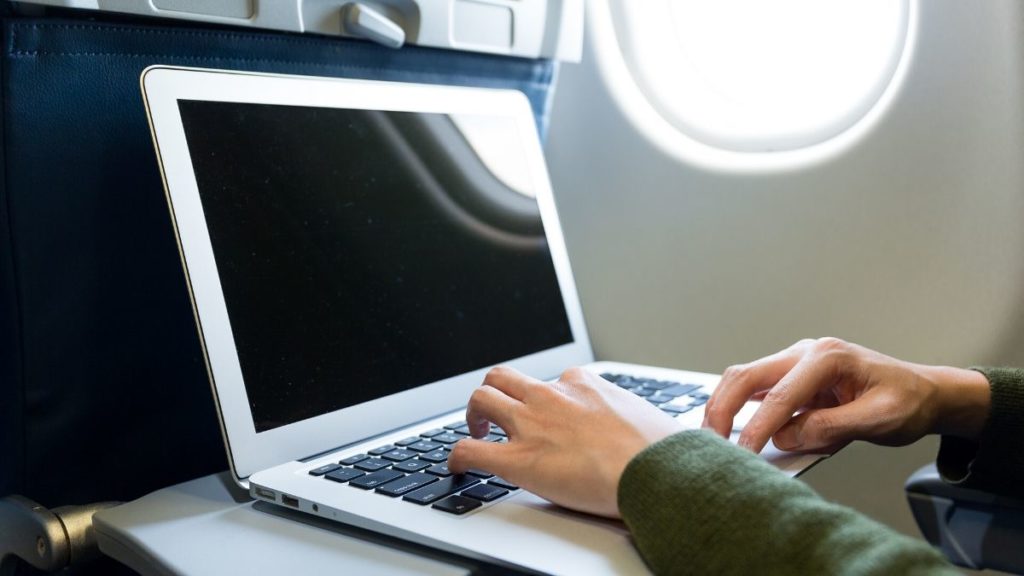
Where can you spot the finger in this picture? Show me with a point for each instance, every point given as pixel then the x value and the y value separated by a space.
pixel 487 404
pixel 826 429
pixel 791 392
pixel 510 381
pixel 493 457
pixel 739 383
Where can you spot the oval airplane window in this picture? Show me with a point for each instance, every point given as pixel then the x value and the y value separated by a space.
pixel 751 76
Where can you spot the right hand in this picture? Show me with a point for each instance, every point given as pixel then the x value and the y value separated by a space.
pixel 818 395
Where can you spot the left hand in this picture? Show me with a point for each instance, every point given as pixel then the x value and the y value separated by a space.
pixel 568 441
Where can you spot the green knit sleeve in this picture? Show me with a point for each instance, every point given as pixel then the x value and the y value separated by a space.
pixel 995 461
pixel 696 504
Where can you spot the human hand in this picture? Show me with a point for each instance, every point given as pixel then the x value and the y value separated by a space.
pixel 845 392
pixel 568 441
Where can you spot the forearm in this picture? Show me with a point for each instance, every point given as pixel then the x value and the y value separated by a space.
pixel 696 504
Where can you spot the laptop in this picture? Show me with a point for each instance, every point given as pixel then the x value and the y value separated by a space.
pixel 358 255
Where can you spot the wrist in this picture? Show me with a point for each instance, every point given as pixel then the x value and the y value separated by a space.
pixel 962 401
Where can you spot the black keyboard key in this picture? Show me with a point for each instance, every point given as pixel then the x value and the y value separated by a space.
pixel 458 505
pixel 675 408
pixel 485 492
pixel 398 455
pixel 432 433
pixel 324 470
pixel 493 438
pixel 435 456
pixel 680 389
pixel 423 446
pixel 439 470
pixel 627 383
pixel 407 484
pixel 447 438
pixel 373 464
pixel 406 441
pixel 353 459
pixel 454 425
pixel 641 391
pixel 344 474
pixel 376 479
pixel 499 481
pixel 611 377
pixel 479 473
pixel 381 449
pixel 441 488
pixel 411 466
pixel 464 429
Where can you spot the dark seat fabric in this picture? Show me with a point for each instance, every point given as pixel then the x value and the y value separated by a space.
pixel 103 387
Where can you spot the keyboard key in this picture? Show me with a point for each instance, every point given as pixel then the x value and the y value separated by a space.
pixel 440 470
pixel 454 425
pixel 353 459
pixel 406 441
pixel 435 456
pixel 641 391
pixel 659 398
pixel 680 389
pixel 485 492
pixel 398 455
pixel 458 505
pixel 698 402
pixel 440 489
pixel 676 408
pixel 432 433
pixel 493 438
pixel 464 429
pixel 344 474
pixel 382 449
pixel 373 464
pixel 324 470
pixel 407 484
pixel 375 479
pixel 479 473
pixel 610 376
pixel 411 466
pixel 700 395
pixel 423 446
pixel 447 438
pixel 657 384
pixel 499 481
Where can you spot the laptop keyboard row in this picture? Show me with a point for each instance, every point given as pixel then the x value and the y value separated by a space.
pixel 416 468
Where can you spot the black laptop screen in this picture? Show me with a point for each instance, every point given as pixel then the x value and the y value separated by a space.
pixel 363 253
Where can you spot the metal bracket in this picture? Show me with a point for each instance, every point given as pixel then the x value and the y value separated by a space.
pixel 49 540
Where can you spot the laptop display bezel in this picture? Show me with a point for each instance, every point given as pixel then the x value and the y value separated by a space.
pixel 249 451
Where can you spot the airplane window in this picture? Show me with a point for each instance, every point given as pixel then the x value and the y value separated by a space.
pixel 750 76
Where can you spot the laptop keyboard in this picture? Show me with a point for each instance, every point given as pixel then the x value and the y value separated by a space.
pixel 416 468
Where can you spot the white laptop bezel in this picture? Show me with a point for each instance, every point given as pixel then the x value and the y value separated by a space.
pixel 248 451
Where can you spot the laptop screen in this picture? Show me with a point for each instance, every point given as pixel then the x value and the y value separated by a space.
pixel 362 253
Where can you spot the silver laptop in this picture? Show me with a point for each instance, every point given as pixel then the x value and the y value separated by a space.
pixel 359 254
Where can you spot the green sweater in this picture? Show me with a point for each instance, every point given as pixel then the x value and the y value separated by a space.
pixel 739 515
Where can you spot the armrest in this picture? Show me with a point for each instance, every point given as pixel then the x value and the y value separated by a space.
pixel 49 540
pixel 974 529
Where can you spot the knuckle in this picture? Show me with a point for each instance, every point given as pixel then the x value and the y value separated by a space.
pixel 573 374
pixel 477 396
pixel 497 373
pixel 831 344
